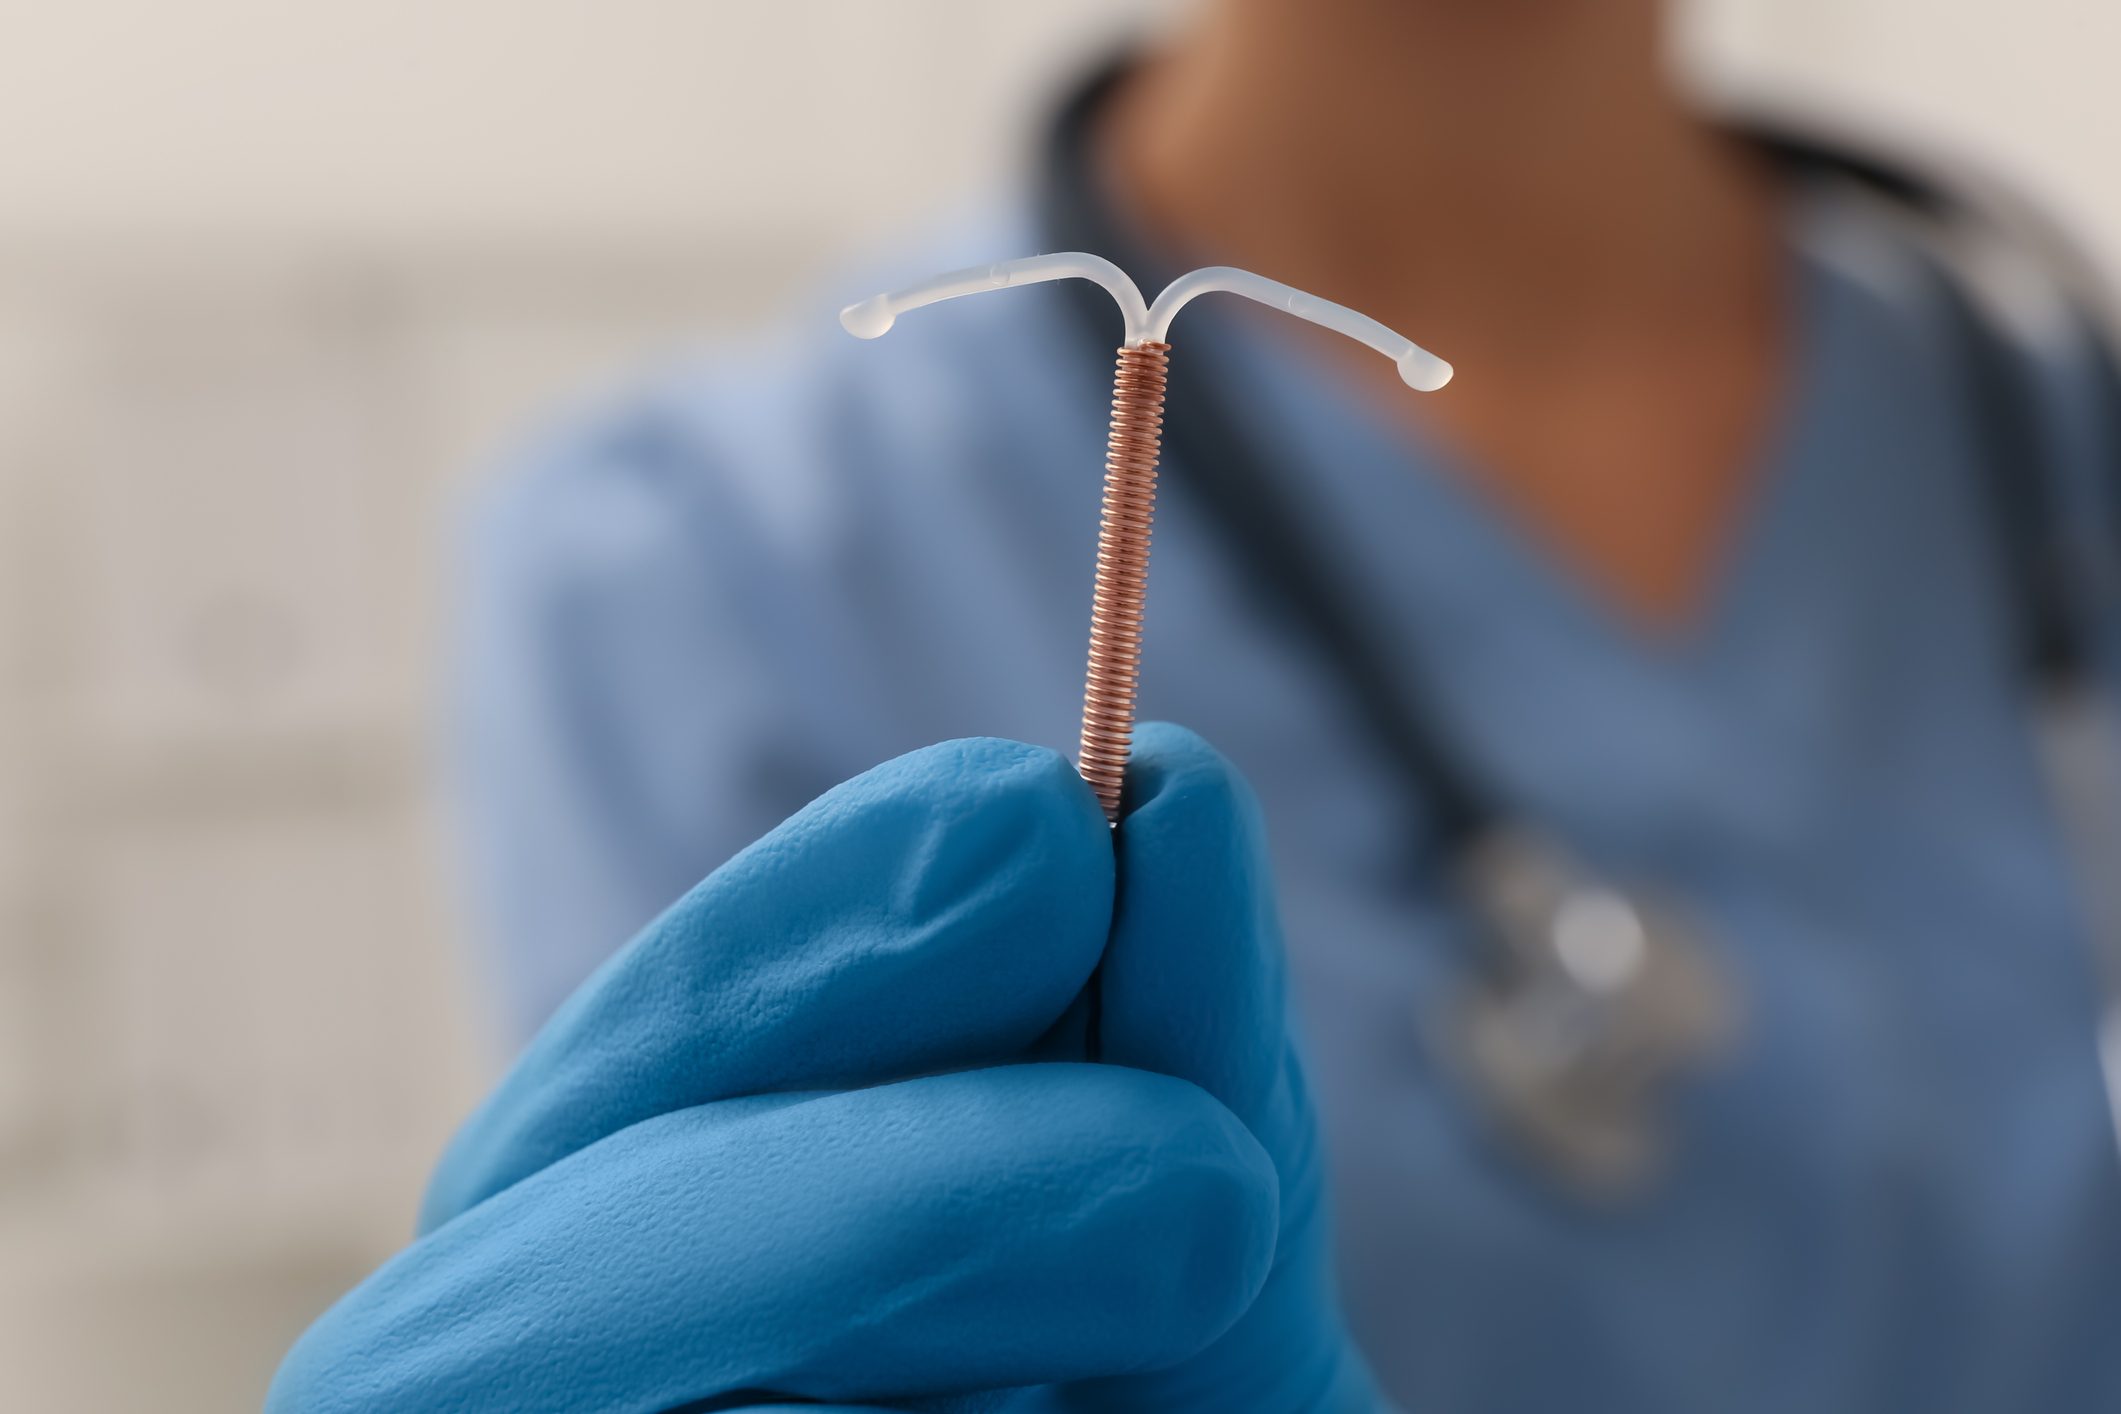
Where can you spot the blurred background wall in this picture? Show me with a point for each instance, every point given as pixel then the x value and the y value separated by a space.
pixel 274 281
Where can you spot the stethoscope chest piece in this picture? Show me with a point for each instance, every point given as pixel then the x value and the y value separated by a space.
pixel 1587 1005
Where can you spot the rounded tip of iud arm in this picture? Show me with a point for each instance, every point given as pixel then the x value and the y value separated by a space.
pixel 868 319
pixel 1423 371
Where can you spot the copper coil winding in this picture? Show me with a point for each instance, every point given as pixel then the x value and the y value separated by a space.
pixel 1122 569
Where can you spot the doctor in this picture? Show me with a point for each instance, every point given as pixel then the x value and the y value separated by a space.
pixel 1695 568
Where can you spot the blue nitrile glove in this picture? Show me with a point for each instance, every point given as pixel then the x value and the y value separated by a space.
pixel 680 1195
pixel 1192 986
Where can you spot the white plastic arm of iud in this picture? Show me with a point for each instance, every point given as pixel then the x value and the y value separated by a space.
pixel 876 315
pixel 1418 368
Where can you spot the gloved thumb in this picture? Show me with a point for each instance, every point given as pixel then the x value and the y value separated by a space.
pixel 1192 978
pixel 1192 985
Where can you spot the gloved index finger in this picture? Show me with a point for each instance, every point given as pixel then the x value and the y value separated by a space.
pixel 982 1230
pixel 940 910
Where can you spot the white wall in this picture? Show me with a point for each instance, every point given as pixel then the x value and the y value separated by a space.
pixel 2025 88
pixel 272 277
pixel 408 122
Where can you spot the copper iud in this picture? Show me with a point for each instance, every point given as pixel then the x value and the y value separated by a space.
pixel 1131 448
pixel 1122 569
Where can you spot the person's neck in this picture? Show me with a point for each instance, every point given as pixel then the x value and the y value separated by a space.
pixel 1515 184
pixel 1490 177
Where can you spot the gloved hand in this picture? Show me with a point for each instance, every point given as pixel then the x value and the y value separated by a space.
pixel 790 1143
pixel 1192 986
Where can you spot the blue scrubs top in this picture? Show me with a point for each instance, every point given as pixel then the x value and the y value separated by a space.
pixel 702 601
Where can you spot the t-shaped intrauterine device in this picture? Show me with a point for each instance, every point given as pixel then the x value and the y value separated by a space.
pixel 1131 451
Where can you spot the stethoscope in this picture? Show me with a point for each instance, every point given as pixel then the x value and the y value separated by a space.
pixel 1593 996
